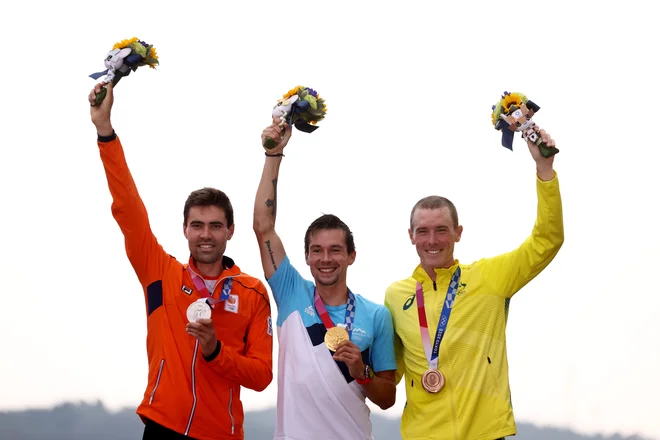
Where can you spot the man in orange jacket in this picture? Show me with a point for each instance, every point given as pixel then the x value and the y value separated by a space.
pixel 209 328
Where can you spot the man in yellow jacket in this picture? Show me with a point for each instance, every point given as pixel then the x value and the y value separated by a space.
pixel 450 318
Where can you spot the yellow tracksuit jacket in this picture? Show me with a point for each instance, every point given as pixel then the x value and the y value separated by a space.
pixel 476 401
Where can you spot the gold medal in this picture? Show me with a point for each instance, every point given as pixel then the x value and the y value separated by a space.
pixel 433 381
pixel 334 336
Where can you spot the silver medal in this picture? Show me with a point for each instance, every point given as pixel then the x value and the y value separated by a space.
pixel 198 310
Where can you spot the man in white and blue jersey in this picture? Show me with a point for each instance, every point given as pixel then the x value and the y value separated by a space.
pixel 321 387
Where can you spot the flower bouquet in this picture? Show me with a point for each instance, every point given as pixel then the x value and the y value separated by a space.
pixel 300 107
pixel 125 56
pixel 514 113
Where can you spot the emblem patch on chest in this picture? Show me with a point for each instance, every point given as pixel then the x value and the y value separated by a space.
pixel 358 335
pixel 231 304
pixel 409 302
pixel 187 290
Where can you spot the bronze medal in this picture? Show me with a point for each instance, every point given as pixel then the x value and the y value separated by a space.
pixel 334 336
pixel 433 381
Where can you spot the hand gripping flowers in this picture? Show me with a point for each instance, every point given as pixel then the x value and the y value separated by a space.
pixel 514 113
pixel 302 108
pixel 125 56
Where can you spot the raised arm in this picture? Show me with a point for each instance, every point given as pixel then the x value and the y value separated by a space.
pixel 265 204
pixel 512 271
pixel 145 254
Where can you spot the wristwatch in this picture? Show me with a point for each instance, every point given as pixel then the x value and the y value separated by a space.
pixel 368 375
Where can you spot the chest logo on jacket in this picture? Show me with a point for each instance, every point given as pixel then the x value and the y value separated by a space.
pixel 231 304
pixel 409 302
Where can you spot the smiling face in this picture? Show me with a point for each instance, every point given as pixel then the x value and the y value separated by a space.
pixel 328 257
pixel 207 233
pixel 434 234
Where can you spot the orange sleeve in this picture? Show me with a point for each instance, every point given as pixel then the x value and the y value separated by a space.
pixel 145 254
pixel 254 369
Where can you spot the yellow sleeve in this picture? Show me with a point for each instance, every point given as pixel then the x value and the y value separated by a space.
pixel 398 345
pixel 508 273
pixel 398 353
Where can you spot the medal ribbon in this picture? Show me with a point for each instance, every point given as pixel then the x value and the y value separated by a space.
pixel 201 287
pixel 432 355
pixel 325 316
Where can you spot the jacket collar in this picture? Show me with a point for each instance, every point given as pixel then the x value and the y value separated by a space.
pixel 420 275
pixel 229 268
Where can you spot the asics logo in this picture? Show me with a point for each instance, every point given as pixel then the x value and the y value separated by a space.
pixel 409 302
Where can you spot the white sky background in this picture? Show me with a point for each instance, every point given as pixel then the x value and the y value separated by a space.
pixel 409 87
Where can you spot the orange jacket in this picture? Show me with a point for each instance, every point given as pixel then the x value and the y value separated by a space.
pixel 185 392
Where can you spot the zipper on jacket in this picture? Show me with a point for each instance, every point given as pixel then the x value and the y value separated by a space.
pixel 194 391
pixel 217 282
pixel 160 371
pixel 231 416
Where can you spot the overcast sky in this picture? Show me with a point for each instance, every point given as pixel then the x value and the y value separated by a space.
pixel 409 88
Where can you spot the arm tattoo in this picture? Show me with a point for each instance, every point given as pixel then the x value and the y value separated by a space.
pixel 270 251
pixel 273 202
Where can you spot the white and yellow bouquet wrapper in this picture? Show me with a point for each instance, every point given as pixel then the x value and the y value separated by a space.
pixel 125 57
pixel 513 113
pixel 300 107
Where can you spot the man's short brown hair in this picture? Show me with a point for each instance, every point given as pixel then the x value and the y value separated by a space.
pixel 209 197
pixel 329 221
pixel 435 202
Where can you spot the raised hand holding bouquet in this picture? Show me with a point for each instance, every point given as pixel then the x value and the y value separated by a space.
pixel 125 56
pixel 302 108
pixel 514 113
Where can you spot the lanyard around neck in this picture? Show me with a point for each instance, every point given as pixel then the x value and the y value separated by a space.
pixel 432 354
pixel 204 292
pixel 325 316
